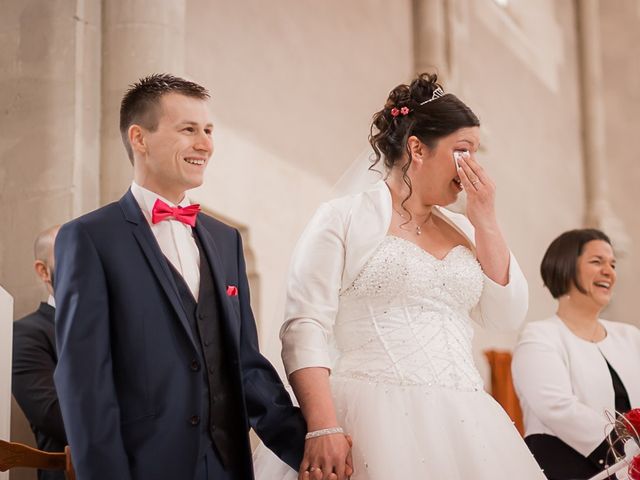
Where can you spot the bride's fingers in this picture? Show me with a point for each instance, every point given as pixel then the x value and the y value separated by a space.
pixel 339 472
pixel 317 473
pixel 471 175
pixel 467 184
pixel 348 469
pixel 478 170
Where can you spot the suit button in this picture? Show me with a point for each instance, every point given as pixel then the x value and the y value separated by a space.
pixel 212 370
pixel 202 316
pixel 207 343
pixel 195 365
pixel 195 420
pixel 213 428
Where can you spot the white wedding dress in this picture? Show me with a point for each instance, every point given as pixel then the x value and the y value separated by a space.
pixel 405 386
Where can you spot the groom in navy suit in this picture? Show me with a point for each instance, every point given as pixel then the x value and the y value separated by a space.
pixel 159 374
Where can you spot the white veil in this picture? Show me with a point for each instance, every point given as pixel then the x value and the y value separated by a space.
pixel 358 177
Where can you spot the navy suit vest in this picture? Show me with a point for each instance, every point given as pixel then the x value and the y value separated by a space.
pixel 220 419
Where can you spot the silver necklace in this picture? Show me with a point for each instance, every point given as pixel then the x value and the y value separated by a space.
pixel 418 225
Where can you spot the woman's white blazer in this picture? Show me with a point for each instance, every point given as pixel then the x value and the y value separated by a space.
pixel 564 384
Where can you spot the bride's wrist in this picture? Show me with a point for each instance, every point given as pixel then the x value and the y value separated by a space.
pixel 319 420
pixel 324 431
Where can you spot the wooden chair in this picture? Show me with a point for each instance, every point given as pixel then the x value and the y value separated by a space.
pixel 502 385
pixel 19 455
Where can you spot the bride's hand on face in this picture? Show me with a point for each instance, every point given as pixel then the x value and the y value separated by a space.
pixel 481 193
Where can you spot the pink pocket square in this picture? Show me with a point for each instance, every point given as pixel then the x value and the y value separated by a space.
pixel 232 291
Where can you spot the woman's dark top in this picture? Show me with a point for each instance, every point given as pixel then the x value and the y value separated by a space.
pixel 561 462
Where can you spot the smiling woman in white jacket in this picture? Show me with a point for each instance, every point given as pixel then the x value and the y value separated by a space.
pixel 570 369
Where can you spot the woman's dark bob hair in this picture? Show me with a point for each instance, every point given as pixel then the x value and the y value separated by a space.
pixel 559 264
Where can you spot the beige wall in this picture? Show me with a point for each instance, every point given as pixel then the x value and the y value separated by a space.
pixel 294 85
pixel 621 92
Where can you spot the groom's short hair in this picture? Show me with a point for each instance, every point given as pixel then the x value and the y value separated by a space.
pixel 140 104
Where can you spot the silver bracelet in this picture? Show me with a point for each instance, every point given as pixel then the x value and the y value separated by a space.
pixel 324 431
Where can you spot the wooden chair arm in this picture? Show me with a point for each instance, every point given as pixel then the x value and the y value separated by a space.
pixel 19 455
pixel 14 454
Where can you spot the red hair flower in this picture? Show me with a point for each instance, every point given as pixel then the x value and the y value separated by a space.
pixel 404 110
pixel 634 468
pixel 632 422
pixel 395 112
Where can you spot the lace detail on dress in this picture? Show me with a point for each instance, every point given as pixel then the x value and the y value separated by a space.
pixel 405 319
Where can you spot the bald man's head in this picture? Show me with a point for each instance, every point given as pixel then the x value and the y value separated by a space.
pixel 44 257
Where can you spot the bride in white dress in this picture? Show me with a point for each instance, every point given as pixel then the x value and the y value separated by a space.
pixel 381 294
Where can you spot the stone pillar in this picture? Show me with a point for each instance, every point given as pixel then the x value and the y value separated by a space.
pixel 49 147
pixel 49 125
pixel 431 37
pixel 140 37
pixel 6 344
pixel 599 213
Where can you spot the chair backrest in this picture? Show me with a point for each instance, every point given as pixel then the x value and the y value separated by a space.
pixel 19 455
pixel 502 385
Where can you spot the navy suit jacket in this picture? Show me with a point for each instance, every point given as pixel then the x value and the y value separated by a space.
pixel 125 348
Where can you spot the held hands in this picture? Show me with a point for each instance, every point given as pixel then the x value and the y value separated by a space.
pixel 327 457
pixel 481 193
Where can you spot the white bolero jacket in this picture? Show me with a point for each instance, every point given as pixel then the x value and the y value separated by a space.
pixel 335 246
pixel 564 384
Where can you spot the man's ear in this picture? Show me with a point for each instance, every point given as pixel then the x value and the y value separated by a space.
pixel 41 270
pixel 136 136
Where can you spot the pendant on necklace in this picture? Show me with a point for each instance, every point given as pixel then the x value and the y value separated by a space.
pixel 418 226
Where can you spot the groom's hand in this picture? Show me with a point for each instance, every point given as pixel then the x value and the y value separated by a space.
pixel 327 458
pixel 349 463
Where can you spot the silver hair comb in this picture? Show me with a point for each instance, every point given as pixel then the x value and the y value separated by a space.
pixel 437 93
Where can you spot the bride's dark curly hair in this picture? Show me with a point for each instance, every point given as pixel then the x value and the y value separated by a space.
pixel 390 129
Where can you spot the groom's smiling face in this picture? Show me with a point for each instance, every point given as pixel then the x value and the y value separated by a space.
pixel 175 155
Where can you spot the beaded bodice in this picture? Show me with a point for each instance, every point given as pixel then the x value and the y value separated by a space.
pixel 405 319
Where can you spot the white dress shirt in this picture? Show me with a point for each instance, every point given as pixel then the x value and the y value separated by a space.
pixel 336 245
pixel 174 237
pixel 564 384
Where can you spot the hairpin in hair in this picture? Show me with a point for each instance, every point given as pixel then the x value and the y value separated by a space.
pixel 437 93
pixel 399 111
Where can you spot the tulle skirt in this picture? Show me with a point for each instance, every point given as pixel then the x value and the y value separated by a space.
pixel 421 432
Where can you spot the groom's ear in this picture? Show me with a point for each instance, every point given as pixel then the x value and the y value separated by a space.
pixel 136 139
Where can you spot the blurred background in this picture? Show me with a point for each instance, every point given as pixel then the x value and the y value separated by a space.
pixel 294 85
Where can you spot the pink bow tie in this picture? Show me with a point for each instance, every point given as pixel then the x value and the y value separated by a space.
pixel 187 215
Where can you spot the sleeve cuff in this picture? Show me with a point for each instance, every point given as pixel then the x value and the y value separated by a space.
pixel 304 345
pixel 603 455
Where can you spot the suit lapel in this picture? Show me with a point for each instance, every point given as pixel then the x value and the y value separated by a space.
pixel 149 246
pixel 212 255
